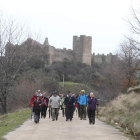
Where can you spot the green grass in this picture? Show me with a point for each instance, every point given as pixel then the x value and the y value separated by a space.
pixel 69 83
pixel 10 121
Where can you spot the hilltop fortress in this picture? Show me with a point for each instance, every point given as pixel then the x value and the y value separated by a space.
pixel 82 51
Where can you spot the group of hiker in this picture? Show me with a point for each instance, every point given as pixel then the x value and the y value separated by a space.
pixel 82 103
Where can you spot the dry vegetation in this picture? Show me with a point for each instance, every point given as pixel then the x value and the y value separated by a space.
pixel 125 112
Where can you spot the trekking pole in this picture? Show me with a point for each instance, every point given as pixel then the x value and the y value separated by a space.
pixel 97 110
pixel 49 112
pixel 31 113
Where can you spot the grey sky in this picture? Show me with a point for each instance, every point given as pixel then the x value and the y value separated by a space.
pixel 59 20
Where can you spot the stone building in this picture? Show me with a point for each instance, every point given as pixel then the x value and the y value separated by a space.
pixel 82 51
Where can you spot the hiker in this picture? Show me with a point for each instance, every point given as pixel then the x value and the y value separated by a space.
pixel 75 102
pixel 31 102
pixel 69 103
pixel 78 106
pixel 82 99
pixel 44 105
pixel 63 106
pixel 92 102
pixel 87 104
pixel 36 105
pixel 55 103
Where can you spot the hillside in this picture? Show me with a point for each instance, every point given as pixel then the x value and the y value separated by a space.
pixel 124 111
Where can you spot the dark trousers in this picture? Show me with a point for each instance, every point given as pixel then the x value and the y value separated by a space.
pixel 43 111
pixel 69 113
pixel 91 116
pixel 37 115
pixel 63 112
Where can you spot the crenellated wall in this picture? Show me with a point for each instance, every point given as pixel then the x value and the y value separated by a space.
pixel 82 48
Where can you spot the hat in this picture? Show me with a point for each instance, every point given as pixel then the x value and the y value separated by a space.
pixel 38 90
pixel 89 92
pixel 38 95
pixel 69 91
pixel 54 92
pixel 82 91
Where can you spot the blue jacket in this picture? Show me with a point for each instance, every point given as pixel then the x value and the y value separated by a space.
pixel 82 99
pixel 69 101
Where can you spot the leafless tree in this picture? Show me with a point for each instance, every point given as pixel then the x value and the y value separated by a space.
pixel 129 61
pixel 12 31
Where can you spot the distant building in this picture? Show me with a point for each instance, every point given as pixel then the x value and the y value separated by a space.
pixel 82 49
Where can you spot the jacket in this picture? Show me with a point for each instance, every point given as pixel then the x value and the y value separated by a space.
pixel 62 101
pixel 55 101
pixel 69 101
pixel 92 103
pixel 82 99
pixel 32 100
pixel 36 104
pixel 45 101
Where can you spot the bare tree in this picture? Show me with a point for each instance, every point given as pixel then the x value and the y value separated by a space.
pixel 12 56
pixel 129 62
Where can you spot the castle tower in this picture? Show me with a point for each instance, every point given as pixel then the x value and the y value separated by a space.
pixel 46 42
pixel 82 49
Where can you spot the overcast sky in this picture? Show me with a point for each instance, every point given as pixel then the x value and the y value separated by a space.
pixel 60 20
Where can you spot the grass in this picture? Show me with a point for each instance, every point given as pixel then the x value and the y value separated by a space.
pixel 10 121
pixel 124 112
pixel 69 83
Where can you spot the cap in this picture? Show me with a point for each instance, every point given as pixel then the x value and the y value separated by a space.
pixel 38 95
pixel 82 91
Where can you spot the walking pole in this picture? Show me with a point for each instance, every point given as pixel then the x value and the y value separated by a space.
pixel 49 112
pixel 97 110
pixel 31 113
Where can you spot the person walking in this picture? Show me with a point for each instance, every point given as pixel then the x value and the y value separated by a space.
pixel 36 106
pixel 92 102
pixel 31 103
pixel 55 103
pixel 63 106
pixel 82 99
pixel 44 105
pixel 69 103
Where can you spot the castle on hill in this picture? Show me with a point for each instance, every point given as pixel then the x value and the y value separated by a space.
pixel 82 51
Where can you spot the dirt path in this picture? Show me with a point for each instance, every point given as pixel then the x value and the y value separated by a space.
pixel 62 130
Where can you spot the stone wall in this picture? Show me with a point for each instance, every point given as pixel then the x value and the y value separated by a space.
pixel 101 58
pixel 82 49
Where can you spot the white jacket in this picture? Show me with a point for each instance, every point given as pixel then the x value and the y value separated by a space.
pixel 55 101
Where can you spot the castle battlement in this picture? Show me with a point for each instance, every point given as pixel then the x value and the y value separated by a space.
pixel 82 48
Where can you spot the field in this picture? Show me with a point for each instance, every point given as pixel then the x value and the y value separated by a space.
pixel 69 83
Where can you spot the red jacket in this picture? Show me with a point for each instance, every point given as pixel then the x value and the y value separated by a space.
pixel 45 101
pixel 32 100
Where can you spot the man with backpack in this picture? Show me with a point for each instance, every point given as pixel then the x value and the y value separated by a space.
pixel 82 100
pixel 36 106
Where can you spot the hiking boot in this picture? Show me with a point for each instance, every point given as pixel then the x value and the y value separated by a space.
pixel 66 119
pixel 80 118
pixel 53 120
pixel 84 119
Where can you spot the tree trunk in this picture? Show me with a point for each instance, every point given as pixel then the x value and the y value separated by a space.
pixel 3 108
